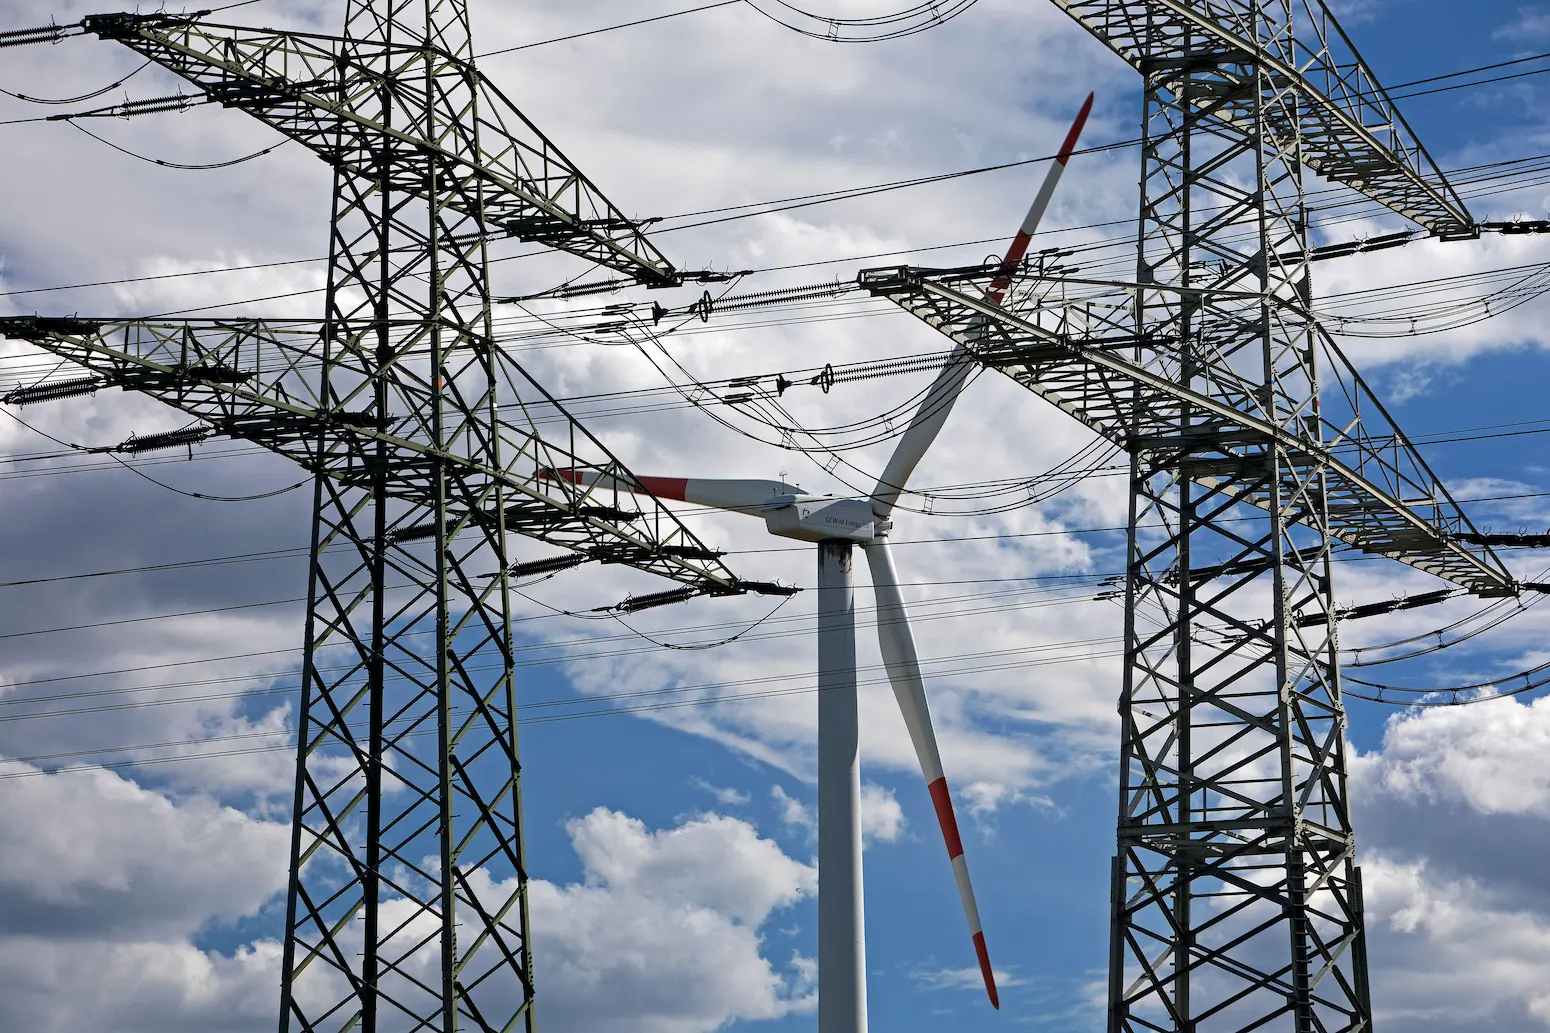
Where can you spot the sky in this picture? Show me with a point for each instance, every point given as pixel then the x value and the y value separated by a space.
pixel 672 849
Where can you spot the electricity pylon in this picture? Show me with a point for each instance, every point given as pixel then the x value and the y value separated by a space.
pixel 407 906
pixel 1237 902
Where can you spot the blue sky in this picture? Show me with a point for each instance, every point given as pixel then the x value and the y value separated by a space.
pixel 162 878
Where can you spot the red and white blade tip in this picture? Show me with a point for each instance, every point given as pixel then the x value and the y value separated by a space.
pixel 662 487
pixel 553 473
pixel 942 801
pixel 985 970
pixel 1069 147
pixel 1019 246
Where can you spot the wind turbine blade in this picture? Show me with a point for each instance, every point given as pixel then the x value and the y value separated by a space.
pixel 898 648
pixel 741 496
pixel 943 393
pixel 922 431
pixel 1030 226
pixel 589 479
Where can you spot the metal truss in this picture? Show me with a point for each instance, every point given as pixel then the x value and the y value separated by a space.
pixel 260 381
pixel 1254 449
pixel 1342 125
pixel 407 906
pixel 493 165
pixel 1073 342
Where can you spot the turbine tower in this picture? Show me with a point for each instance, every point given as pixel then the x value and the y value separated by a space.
pixel 836 526
pixel 407 904
pixel 1255 448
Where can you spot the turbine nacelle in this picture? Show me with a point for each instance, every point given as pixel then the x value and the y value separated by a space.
pixel 813 518
pixel 788 511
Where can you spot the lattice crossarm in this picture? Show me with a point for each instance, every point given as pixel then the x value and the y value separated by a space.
pixel 1130 405
pixel 511 142
pixel 228 376
pixel 1350 130
pixel 1352 422
pixel 320 91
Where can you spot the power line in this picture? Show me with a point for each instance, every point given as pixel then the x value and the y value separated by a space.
pixel 1052 583
pixel 92 95
pixel 979 657
pixel 784 204
pixel 611 28
pixel 182 166
pixel 615 711
pixel 1089 581
pixel 796 626
pixel 872 29
pixel 978 666
pixel 729 1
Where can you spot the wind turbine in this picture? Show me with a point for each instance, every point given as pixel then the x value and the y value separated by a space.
pixel 836 525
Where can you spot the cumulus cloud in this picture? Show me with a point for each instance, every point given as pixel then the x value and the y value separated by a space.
pixel 1448 955
pixel 1022 700
pixel 882 819
pixel 104 886
pixel 64 986
pixel 1489 756
pixel 88 853
pixel 1447 811
pixel 100 876
pixel 663 933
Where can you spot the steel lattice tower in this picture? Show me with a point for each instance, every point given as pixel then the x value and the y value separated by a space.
pixel 407 906
pixel 1254 449
pixel 432 786
pixel 1237 901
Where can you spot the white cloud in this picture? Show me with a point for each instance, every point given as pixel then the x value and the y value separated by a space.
pixel 88 853
pixel 710 862
pixel 1507 504
pixel 104 885
pixel 1531 24
pixel 1448 955
pixel 62 985
pixel 882 819
pixel 1489 756
pixel 1447 812
pixel 1355 12
pixel 723 795
pixel 663 934
pixel 793 812
pixel 962 978
pixel 987 797
pixel 870 117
